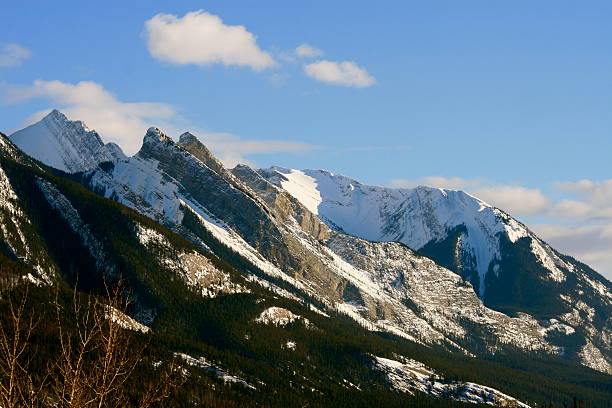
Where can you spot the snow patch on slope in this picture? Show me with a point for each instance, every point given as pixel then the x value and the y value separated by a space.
pixel 592 357
pixel 147 236
pixel 303 188
pixel 548 261
pixel 278 316
pixel 9 204
pixel 203 363
pixel 410 375
pixel 229 237
pixel 124 320
pixel 195 269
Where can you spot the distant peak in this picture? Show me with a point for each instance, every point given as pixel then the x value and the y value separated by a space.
pixel 156 144
pixel 115 151
pixel 56 115
pixel 65 144
pixel 61 118
pixel 56 112
pixel 188 138
pixel 154 130
pixel 154 135
pixel 192 144
pixel 278 169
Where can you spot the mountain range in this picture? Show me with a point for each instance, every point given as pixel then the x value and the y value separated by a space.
pixel 436 269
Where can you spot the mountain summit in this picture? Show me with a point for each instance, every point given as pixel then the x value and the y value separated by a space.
pixel 65 144
pixel 511 269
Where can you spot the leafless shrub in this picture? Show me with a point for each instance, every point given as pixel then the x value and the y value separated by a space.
pixel 95 360
pixel 17 386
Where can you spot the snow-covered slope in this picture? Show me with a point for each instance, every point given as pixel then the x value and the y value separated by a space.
pixel 414 217
pixel 64 144
pixel 510 267
pixel 282 239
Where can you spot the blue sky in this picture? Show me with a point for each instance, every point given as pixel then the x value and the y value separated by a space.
pixel 508 100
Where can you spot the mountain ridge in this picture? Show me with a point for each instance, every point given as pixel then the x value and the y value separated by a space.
pixel 178 182
pixel 545 283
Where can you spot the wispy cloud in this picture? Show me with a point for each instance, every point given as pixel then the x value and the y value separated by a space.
pixel 345 73
pixel 279 79
pixel 308 51
pixel 201 38
pixel 357 149
pixel 233 150
pixel 590 244
pixel 125 123
pixel 597 194
pixel 13 55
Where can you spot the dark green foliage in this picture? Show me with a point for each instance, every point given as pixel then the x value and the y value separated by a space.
pixel 524 289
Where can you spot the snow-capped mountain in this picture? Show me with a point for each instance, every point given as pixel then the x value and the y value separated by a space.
pixel 331 240
pixel 184 187
pixel 55 233
pixel 64 144
pixel 511 268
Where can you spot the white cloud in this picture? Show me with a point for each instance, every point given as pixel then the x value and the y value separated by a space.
pixel 202 39
pixel 345 73
pixel 572 209
pixel 597 193
pixel 308 51
pixel 125 123
pixel 594 200
pixel 590 244
pixel 279 79
pixel 13 55
pixel 516 200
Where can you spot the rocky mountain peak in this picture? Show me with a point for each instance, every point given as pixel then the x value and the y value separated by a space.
pixel 188 138
pixel 65 144
pixel 157 145
pixel 115 151
pixel 57 115
pixel 193 145
pixel 155 135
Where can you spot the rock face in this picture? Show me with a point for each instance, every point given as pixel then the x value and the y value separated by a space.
pixel 176 182
pixel 511 269
pixel 64 144
pixel 49 225
pixel 314 233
